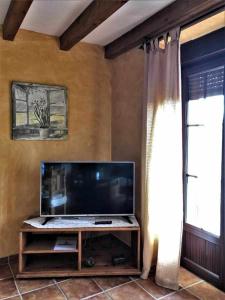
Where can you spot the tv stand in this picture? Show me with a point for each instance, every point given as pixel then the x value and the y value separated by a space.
pixel 38 257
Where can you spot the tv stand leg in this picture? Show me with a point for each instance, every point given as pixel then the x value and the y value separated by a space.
pixel 47 219
pixel 127 218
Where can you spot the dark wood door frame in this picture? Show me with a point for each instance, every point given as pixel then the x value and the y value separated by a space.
pixel 195 57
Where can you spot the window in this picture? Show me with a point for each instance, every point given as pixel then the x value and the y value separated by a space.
pixel 204 128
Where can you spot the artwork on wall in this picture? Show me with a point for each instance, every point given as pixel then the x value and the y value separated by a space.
pixel 39 111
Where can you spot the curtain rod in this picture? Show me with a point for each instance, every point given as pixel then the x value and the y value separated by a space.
pixel 185 26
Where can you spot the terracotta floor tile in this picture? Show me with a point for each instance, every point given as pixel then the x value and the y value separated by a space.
pixel 155 290
pixel 206 291
pixel 7 288
pixel 15 298
pixel 130 291
pixel 134 277
pixel 79 288
pixel 27 285
pixel 186 278
pixel 102 296
pixel 59 279
pixel 182 295
pixel 5 271
pixel 15 267
pixel 110 282
pixel 48 293
pixel 13 258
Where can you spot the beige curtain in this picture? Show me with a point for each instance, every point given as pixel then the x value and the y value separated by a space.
pixel 162 161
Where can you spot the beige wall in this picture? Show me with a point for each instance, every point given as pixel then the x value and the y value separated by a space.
pixel 84 71
pixel 104 114
pixel 127 88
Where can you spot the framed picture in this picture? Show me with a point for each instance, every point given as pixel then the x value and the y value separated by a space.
pixel 39 111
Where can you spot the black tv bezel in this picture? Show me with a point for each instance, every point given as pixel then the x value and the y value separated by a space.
pixel 88 215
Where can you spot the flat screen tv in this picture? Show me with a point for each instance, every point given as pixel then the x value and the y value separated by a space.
pixel 87 189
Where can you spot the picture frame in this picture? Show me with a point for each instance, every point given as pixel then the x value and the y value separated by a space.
pixel 39 111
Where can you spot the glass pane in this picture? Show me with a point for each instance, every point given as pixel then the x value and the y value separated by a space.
pixel 57 110
pixel 21 119
pixel 21 106
pixel 20 93
pixel 57 97
pixel 204 161
pixel 193 203
pixel 32 119
pixel 57 121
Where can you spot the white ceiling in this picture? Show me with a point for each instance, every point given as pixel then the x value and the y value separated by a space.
pixel 52 17
pixel 127 17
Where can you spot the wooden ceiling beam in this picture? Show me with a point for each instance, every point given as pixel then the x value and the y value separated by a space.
pixel 179 13
pixel 14 18
pixel 96 13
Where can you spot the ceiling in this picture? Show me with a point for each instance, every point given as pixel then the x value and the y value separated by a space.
pixel 127 17
pixel 53 17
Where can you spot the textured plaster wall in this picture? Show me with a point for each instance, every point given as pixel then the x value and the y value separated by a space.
pixel 84 71
pixel 127 94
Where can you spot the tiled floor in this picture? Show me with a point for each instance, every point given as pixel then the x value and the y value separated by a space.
pixel 101 288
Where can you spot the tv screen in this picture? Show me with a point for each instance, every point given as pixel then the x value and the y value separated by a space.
pixel 87 188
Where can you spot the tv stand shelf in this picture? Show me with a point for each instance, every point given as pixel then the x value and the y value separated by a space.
pixel 37 257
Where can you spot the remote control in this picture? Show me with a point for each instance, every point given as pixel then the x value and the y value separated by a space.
pixel 102 222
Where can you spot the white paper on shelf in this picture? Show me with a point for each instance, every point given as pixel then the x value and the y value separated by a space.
pixel 65 243
pixel 81 222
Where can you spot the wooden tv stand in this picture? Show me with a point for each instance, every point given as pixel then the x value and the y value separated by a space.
pixel 37 257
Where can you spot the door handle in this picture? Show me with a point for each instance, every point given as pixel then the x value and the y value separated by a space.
pixel 189 175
